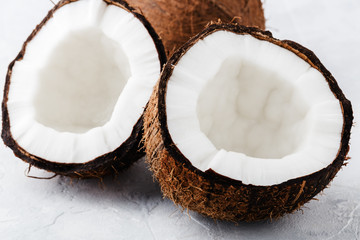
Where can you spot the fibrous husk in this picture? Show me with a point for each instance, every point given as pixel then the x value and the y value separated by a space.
pixel 117 160
pixel 215 195
pixel 176 21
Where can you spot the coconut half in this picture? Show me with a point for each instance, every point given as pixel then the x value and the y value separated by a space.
pixel 243 126
pixel 75 94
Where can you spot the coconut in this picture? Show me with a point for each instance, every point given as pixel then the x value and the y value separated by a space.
pixel 177 21
pixel 243 127
pixel 75 94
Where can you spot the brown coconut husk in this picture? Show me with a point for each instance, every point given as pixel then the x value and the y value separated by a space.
pixel 112 162
pixel 176 21
pixel 215 195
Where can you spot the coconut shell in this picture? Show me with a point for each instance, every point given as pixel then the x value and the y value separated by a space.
pixel 122 157
pixel 217 196
pixel 176 21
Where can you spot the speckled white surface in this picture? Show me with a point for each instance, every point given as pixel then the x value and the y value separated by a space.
pixel 131 206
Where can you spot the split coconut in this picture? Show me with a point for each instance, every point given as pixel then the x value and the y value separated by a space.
pixel 75 94
pixel 176 21
pixel 243 127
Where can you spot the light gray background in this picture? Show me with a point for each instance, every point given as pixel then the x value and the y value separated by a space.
pixel 131 206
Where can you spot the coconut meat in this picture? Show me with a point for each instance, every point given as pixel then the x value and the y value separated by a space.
pixel 83 82
pixel 252 111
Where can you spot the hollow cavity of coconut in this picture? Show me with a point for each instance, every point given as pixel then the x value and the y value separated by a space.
pixel 176 21
pixel 242 126
pixel 75 94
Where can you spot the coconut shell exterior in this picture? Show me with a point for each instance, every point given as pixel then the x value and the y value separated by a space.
pixel 112 162
pixel 176 21
pixel 215 195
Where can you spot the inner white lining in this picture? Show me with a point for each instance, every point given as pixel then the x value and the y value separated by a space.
pixel 83 83
pixel 252 111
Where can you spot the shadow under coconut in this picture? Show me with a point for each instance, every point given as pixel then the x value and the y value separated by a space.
pixel 334 216
pixel 267 229
pixel 135 184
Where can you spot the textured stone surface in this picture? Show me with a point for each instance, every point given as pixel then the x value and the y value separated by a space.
pixel 131 206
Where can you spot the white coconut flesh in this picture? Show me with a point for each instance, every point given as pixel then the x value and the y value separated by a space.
pixel 83 83
pixel 252 111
